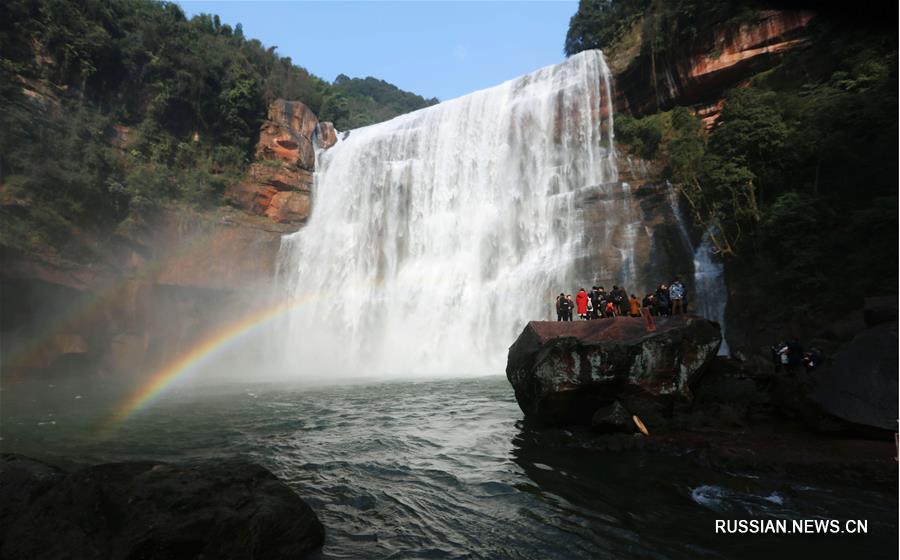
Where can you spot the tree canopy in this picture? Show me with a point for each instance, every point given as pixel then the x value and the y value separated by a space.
pixel 192 94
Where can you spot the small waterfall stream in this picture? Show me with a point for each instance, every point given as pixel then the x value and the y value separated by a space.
pixel 710 296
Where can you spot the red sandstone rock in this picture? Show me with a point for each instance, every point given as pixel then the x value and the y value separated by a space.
pixel 288 159
pixel 287 135
pixel 290 207
pixel 281 177
pixel 327 135
pixel 701 72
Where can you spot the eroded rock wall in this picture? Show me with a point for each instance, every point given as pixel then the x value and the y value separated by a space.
pixel 697 74
pixel 279 184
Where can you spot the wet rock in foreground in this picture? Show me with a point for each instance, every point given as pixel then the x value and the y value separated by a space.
pixel 157 510
pixel 563 372
pixel 22 481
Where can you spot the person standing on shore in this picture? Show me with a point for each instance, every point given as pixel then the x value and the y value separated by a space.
pixel 635 306
pixel 561 307
pixel 581 301
pixel 676 295
pixel 570 306
pixel 595 302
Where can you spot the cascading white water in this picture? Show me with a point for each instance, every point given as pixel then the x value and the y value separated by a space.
pixel 710 295
pixel 709 282
pixel 437 235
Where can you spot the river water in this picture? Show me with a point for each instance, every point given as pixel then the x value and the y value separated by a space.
pixel 446 468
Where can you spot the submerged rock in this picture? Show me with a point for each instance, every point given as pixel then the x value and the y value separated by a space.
pixel 562 372
pixel 159 510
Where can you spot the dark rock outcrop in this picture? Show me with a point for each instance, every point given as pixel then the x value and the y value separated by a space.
pixel 22 481
pixel 562 372
pixel 164 511
pixel 612 418
pixel 860 384
pixel 878 310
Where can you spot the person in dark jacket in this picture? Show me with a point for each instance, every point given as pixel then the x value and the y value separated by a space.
pixel 600 306
pixel 622 302
pixel 595 302
pixel 561 307
pixel 795 354
pixel 617 300
pixel 663 303
pixel 650 303
pixel 570 307
pixel 812 359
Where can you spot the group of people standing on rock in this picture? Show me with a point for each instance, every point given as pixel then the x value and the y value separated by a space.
pixel 598 303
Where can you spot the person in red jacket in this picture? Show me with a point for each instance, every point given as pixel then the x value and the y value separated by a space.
pixel 581 299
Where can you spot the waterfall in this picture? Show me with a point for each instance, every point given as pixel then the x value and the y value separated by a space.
pixel 710 294
pixel 436 236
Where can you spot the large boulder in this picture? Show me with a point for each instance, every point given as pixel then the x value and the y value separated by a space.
pixel 158 510
pixel 562 372
pixel 22 481
pixel 860 384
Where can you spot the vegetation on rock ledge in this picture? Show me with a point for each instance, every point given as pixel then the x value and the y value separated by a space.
pixel 797 179
pixel 111 108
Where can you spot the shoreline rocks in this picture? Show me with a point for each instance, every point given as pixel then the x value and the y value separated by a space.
pixel 563 372
pixel 230 509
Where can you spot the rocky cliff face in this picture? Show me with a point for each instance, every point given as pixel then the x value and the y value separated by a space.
pixel 659 246
pixel 146 298
pixel 697 74
pixel 278 186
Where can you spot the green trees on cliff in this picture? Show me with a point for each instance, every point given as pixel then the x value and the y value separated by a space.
pixel 370 100
pixel 797 178
pixel 190 94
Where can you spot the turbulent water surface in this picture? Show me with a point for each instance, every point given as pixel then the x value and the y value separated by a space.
pixel 446 469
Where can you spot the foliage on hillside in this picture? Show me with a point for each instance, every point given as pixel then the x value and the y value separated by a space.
pixel 598 23
pixel 356 102
pixel 192 94
pixel 798 178
pixel 664 25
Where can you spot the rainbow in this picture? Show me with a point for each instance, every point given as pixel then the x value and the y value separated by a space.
pixel 199 354
pixel 93 306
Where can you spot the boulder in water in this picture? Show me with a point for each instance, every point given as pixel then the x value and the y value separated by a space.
pixel 159 510
pixel 562 372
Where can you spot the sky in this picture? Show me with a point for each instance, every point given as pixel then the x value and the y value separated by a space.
pixel 434 49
